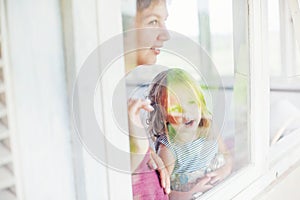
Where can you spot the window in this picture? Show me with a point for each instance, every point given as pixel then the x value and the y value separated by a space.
pixel 252 45
pixel 220 30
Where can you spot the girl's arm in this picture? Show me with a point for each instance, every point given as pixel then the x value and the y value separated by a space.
pixel 224 171
pixel 169 159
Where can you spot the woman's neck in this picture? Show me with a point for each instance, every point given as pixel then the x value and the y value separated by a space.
pixel 130 62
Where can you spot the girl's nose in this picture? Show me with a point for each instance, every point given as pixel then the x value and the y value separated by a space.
pixel 186 116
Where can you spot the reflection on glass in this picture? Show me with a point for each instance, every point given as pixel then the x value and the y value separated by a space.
pixel 212 24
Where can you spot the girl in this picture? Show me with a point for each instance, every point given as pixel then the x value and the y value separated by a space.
pixel 181 124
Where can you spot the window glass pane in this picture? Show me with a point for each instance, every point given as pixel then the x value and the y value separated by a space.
pixel 203 30
pixel 221 26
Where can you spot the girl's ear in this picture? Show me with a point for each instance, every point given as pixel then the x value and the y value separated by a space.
pixel 166 124
pixel 201 122
pixel 204 122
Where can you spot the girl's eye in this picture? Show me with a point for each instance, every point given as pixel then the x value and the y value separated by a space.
pixel 153 22
pixel 177 109
pixel 192 102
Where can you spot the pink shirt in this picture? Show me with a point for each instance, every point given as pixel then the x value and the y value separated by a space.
pixel 146 184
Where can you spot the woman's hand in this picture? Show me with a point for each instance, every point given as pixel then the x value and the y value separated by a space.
pixel 134 108
pixel 138 136
pixel 139 143
pixel 156 163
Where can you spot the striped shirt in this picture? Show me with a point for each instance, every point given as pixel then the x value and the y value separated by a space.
pixel 193 159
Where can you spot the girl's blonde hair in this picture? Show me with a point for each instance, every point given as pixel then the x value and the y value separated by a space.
pixel 158 95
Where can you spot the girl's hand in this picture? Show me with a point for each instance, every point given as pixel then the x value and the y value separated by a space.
pixel 203 185
pixel 219 174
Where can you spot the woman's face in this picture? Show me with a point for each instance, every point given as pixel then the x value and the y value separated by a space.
pixel 152 32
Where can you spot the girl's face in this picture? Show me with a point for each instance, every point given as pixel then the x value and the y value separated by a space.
pixel 184 112
pixel 152 32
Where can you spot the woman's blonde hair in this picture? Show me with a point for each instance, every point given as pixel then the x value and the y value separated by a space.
pixel 158 95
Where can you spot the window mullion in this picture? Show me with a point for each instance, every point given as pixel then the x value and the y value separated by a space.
pixel 259 84
pixel 288 58
pixel 295 13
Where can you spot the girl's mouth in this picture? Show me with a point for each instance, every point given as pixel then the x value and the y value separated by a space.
pixel 189 123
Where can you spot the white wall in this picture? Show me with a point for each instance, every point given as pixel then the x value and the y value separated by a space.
pixel 39 89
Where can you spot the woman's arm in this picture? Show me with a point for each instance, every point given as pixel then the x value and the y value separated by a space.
pixel 167 157
pixel 139 143
pixel 156 163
